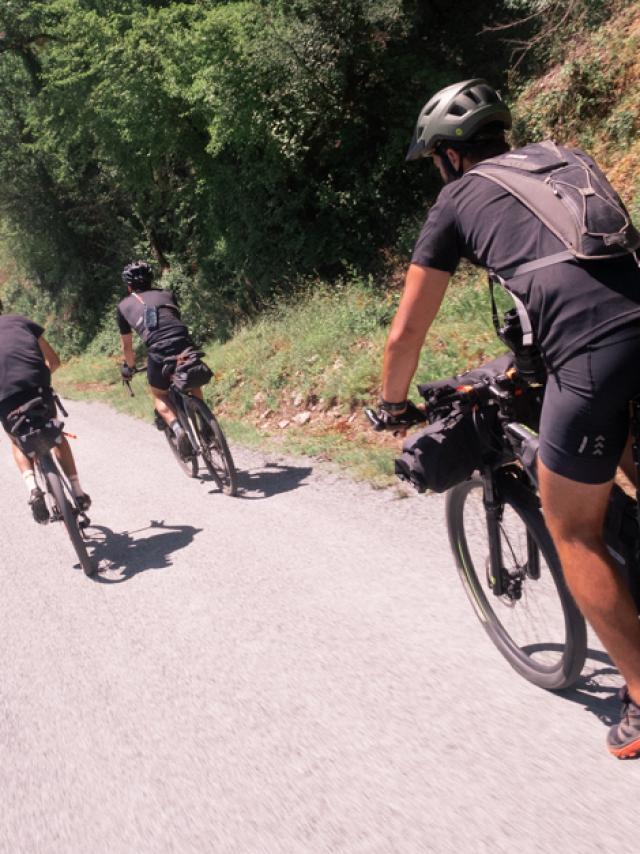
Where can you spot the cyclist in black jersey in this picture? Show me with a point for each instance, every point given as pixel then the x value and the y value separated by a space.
pixel 155 316
pixel 27 361
pixel 585 316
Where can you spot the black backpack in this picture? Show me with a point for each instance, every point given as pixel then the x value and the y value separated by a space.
pixel 571 196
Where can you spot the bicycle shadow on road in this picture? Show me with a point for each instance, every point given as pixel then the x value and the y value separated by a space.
pixel 597 689
pixel 271 479
pixel 121 552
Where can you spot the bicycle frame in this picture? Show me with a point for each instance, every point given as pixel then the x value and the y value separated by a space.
pixel 179 400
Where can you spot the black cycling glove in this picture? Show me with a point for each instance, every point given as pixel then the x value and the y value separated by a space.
pixel 126 372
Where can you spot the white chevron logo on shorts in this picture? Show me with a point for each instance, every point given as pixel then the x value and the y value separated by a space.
pixel 598 446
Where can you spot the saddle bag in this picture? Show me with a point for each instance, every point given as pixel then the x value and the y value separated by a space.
pixel 33 428
pixel 188 370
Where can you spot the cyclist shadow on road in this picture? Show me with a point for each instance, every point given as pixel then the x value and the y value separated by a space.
pixel 597 689
pixel 271 479
pixel 122 553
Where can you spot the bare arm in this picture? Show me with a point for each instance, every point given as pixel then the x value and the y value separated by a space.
pixel 51 358
pixel 127 349
pixel 424 289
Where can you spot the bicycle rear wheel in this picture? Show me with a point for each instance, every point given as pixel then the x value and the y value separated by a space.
pixel 535 624
pixel 215 450
pixel 61 503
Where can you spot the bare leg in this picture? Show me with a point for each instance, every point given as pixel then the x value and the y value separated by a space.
pixel 163 405
pixel 22 460
pixel 574 513
pixel 65 458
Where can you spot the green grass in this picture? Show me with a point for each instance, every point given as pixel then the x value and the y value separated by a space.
pixel 321 353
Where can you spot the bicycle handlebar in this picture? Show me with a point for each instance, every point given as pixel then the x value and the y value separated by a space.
pixel 127 381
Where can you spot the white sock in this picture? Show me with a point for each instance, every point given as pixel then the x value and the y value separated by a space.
pixel 76 489
pixel 29 480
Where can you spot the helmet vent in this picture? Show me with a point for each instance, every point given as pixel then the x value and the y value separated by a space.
pixel 457 110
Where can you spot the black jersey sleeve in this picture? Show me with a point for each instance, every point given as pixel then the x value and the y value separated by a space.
pixel 35 328
pixel 123 324
pixel 439 244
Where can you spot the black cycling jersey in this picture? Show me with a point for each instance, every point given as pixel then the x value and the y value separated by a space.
pixel 22 364
pixel 569 304
pixel 170 328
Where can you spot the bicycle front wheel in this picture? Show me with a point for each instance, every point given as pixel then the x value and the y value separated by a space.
pixel 535 623
pixel 65 509
pixel 215 450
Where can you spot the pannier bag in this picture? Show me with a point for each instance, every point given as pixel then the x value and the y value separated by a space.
pixel 33 428
pixel 188 369
pixel 448 451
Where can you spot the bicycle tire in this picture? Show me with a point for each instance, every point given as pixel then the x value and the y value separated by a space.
pixel 556 659
pixel 190 465
pixel 215 450
pixel 56 490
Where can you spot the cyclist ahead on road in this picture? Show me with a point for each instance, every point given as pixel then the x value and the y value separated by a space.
pixel 155 316
pixel 583 315
pixel 27 361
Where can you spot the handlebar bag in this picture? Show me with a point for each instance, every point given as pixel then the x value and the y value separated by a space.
pixel 442 455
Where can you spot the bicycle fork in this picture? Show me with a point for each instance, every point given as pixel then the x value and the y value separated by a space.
pixel 499 579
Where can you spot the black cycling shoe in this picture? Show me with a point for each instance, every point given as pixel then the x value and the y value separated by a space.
pixel 83 502
pixel 38 506
pixel 158 420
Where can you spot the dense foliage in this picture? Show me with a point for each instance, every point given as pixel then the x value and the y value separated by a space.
pixel 242 145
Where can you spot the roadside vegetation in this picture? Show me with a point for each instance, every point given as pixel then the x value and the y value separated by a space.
pixel 269 185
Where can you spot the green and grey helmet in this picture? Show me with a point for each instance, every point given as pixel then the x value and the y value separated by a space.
pixel 455 114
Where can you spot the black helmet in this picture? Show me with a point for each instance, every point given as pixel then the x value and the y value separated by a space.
pixel 138 275
pixel 455 114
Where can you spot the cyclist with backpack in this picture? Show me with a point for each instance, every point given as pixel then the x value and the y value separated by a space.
pixel 27 361
pixel 546 223
pixel 155 316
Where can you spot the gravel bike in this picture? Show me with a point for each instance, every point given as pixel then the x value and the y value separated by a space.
pixel 205 434
pixel 502 548
pixel 37 433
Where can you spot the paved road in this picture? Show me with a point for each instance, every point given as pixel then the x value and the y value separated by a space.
pixel 294 670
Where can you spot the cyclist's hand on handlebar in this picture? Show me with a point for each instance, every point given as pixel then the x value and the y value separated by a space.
pixel 398 422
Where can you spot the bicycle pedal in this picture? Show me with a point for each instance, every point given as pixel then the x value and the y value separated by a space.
pixel 83 521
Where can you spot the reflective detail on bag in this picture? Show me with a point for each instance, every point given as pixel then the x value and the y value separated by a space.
pixel 442 455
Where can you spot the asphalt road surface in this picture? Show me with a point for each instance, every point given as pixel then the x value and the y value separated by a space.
pixel 294 670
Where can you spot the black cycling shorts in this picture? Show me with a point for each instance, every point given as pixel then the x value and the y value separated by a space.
pixel 20 398
pixel 584 423
pixel 155 360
